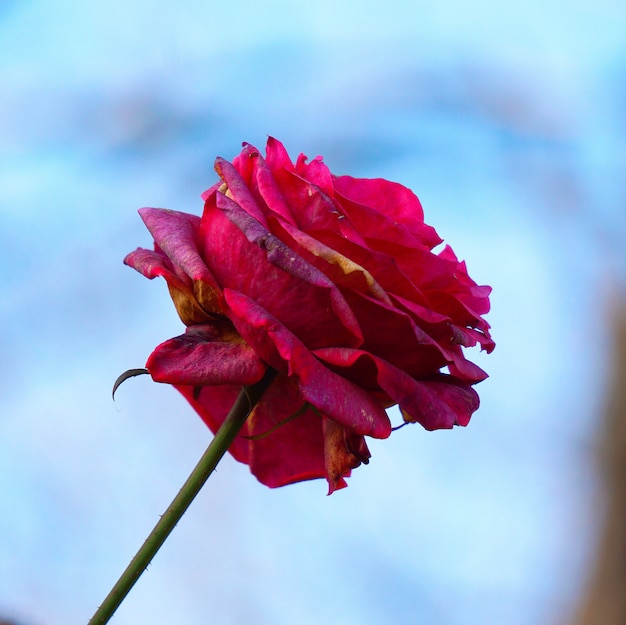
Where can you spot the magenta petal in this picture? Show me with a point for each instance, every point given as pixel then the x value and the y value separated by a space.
pixel 238 190
pixel 438 403
pixel 279 279
pixel 277 157
pixel 269 191
pixel 200 357
pixel 153 264
pixel 334 396
pixel 317 173
pixel 177 234
pixel 373 202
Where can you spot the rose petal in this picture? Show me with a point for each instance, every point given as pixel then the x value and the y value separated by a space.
pixel 193 301
pixel 265 186
pixel 333 395
pixel 316 173
pixel 440 402
pixel 246 257
pixel 343 451
pixel 394 336
pixel 277 157
pixel 177 234
pixel 312 209
pixel 238 190
pixel 341 270
pixel 382 267
pixel 291 452
pixel 205 355
pixel 388 209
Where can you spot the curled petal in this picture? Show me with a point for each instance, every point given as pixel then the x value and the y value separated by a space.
pixel 193 301
pixel 343 451
pixel 331 394
pixel 205 355
pixel 437 403
pixel 264 184
pixel 177 235
pixel 238 190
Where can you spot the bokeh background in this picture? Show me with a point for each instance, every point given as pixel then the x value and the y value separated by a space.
pixel 508 122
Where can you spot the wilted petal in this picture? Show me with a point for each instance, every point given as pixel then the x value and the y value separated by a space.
pixel 343 451
pixel 184 292
pixel 177 234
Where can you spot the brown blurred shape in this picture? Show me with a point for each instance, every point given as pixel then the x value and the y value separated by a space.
pixel 604 600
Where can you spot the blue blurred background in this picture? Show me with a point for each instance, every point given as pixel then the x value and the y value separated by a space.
pixel 506 119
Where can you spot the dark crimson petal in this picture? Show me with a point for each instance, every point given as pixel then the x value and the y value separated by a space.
pixel 258 264
pixel 393 335
pixel 205 355
pixel 382 267
pixel 423 268
pixel 449 336
pixel 473 296
pixel 452 306
pixel 439 402
pixel 288 448
pixel 468 337
pixel 464 369
pixel 334 396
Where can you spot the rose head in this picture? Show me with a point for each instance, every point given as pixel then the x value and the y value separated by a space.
pixel 330 280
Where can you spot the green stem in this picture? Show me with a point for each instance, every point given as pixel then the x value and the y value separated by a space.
pixel 248 398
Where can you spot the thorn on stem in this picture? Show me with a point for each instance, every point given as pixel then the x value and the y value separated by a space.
pixel 131 373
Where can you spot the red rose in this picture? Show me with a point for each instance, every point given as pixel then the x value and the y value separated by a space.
pixel 330 280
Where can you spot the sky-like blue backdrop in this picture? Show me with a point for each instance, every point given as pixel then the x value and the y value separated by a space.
pixel 506 119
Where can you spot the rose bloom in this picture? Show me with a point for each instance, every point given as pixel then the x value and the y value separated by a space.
pixel 333 282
